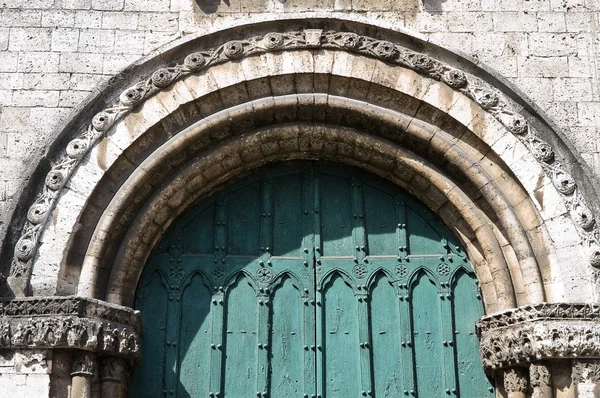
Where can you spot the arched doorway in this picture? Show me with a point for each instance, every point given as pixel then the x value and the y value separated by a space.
pixel 309 279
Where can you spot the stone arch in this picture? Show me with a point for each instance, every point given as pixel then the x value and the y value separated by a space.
pixel 418 115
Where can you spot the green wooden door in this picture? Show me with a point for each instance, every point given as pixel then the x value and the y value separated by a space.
pixel 309 280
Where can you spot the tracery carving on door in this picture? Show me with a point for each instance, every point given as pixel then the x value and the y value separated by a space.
pixel 309 280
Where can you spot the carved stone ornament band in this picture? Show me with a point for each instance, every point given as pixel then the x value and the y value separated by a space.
pixel 489 98
pixel 70 322
pixel 545 331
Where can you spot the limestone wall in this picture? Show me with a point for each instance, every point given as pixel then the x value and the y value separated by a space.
pixel 54 53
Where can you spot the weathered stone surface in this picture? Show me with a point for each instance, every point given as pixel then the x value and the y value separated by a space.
pixel 540 332
pixel 69 322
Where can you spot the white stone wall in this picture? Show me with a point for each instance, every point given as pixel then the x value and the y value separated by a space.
pixel 53 53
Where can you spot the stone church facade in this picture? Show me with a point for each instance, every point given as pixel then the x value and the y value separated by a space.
pixel 117 115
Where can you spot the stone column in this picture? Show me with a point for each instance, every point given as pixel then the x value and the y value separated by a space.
pixel 515 383
pixel 586 376
pixel 113 377
pixel 540 379
pixel 82 375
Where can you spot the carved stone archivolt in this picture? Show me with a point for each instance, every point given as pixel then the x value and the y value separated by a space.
pixel 474 88
pixel 545 331
pixel 70 322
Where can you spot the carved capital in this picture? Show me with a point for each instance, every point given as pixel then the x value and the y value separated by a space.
pixel 545 331
pixel 69 322
pixel 113 369
pixel 84 364
pixel 515 380
pixel 586 371
pixel 539 375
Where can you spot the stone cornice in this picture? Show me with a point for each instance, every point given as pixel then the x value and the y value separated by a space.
pixel 70 322
pixel 544 331
pixel 489 98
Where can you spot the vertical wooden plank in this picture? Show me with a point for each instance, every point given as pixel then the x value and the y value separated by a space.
pixel 217 343
pixel 288 215
pixel 220 221
pixel 337 216
pixel 422 238
pixel 467 309
pixel 312 381
pixel 366 381
pixel 359 234
pixel 241 340
pixel 360 270
pixel 198 232
pixel 149 377
pixel 172 338
pixel 402 238
pixel 318 295
pixel 195 339
pixel 244 217
pixel 427 337
pixel 287 342
pixel 448 358
pixel 380 222
pixel 266 224
pixel 406 339
pixel 340 340
pixel 385 339
pixel 262 357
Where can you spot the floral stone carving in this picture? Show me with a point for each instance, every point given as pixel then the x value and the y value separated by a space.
pixel 489 98
pixel 533 333
pixel 70 322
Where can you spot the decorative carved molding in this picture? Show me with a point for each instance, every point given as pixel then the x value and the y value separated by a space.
pixel 84 364
pixel 539 376
pixel 70 322
pixel 545 331
pixel 586 371
pixel 489 98
pixel 112 369
pixel 515 380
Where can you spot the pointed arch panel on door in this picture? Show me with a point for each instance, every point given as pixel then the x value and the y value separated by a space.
pixel 309 278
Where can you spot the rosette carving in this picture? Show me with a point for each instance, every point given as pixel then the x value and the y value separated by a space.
pixel 542 151
pixel 386 50
pixel 563 181
pixel 77 148
pixel 486 98
pixel 194 61
pixel 517 124
pixel 37 213
pixel 56 179
pixel 424 63
pixel 25 248
pixel 583 217
pixel 162 77
pixel 350 40
pixel 233 49
pixel 594 255
pixel 273 41
pixel 131 96
pixel 455 78
pixel 102 121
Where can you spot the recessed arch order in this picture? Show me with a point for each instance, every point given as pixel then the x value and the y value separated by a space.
pixel 212 108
